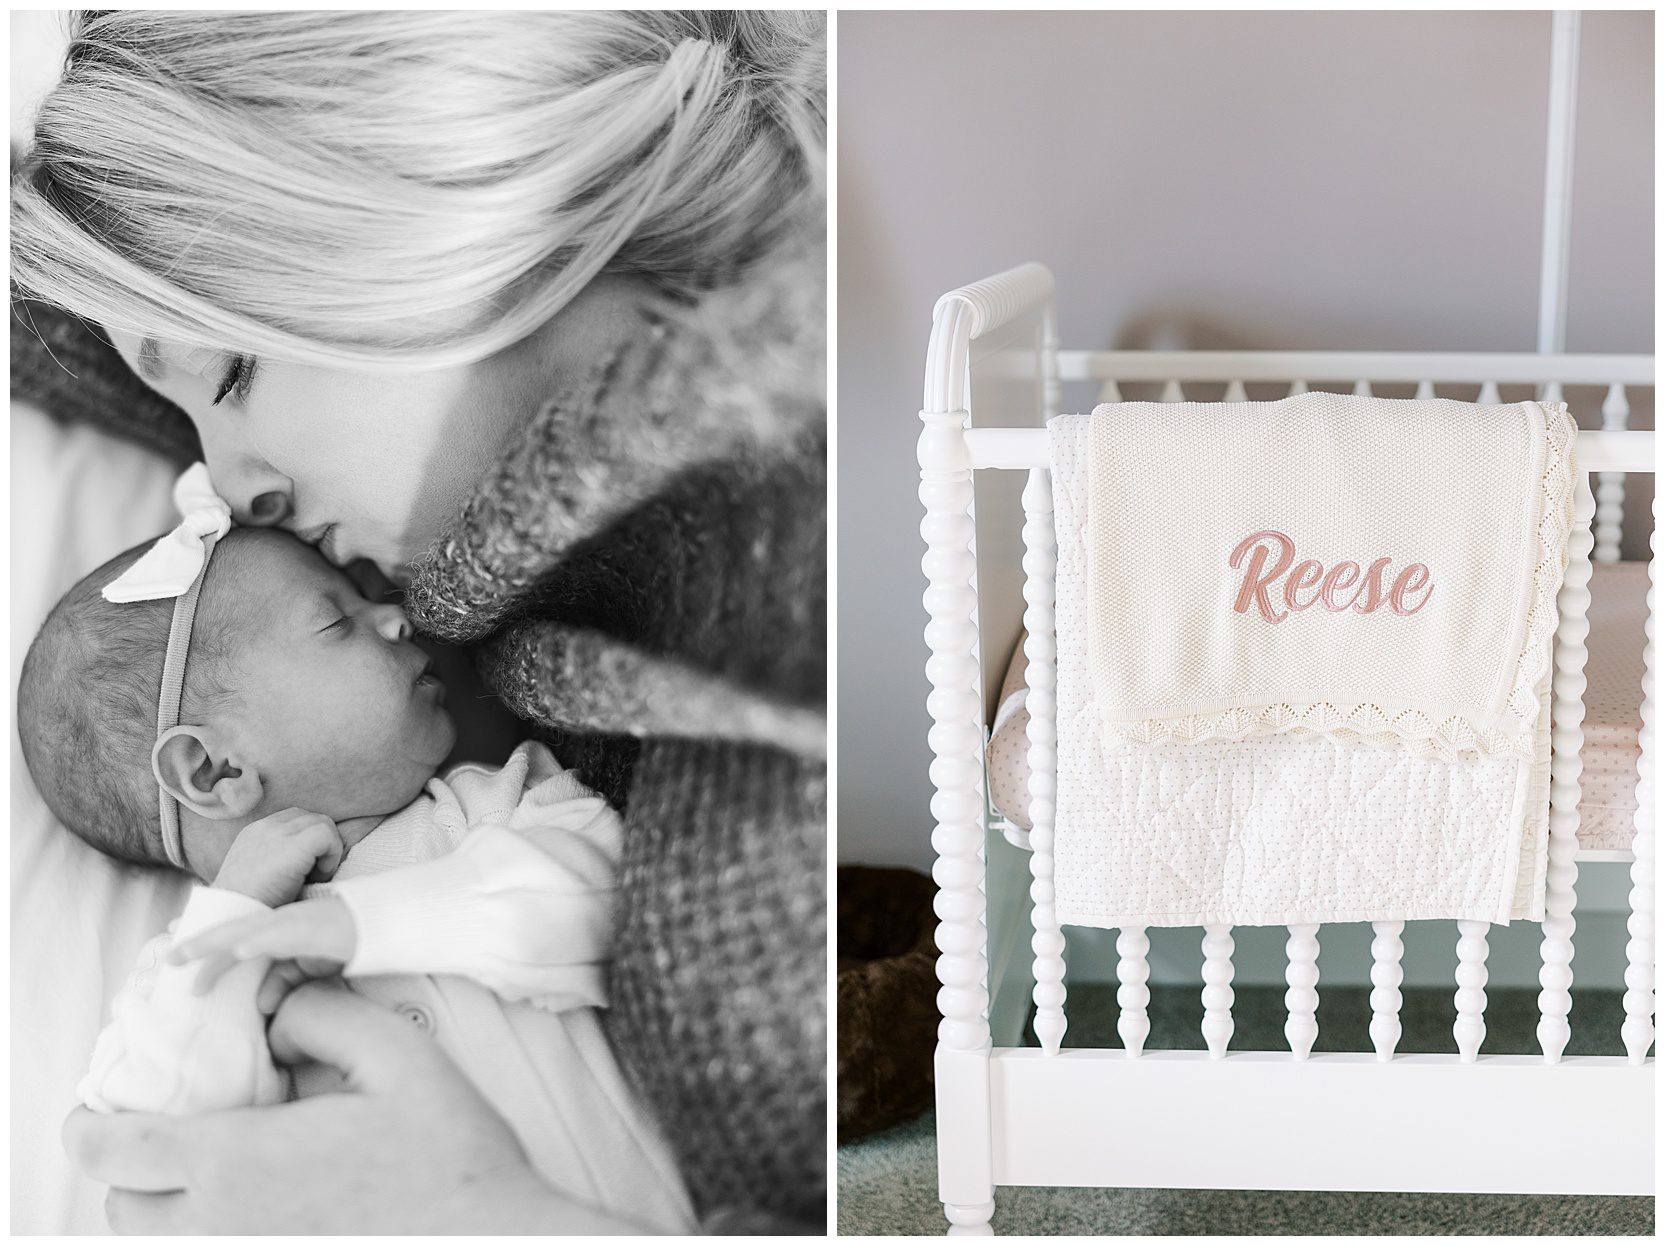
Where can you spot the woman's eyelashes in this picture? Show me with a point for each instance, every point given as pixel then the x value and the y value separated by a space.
pixel 238 379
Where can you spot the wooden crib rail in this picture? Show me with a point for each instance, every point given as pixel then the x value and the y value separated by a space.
pixel 1023 449
pixel 1550 373
pixel 1392 367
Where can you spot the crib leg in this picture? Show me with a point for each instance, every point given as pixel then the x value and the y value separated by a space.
pixel 965 1165
pixel 969 1219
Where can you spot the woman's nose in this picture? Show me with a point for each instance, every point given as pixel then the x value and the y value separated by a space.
pixel 268 509
pixel 260 496
pixel 391 623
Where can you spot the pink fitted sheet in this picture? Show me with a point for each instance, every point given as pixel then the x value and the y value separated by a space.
pixel 1612 716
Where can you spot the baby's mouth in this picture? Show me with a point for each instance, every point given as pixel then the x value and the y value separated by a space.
pixel 426 678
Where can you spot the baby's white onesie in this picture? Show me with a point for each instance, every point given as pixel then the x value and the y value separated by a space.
pixel 483 911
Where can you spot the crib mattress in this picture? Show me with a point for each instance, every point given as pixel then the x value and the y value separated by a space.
pixel 1612 716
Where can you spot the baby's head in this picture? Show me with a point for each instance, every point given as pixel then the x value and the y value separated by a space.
pixel 297 692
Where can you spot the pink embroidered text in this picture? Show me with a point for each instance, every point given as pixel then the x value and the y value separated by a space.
pixel 1344 586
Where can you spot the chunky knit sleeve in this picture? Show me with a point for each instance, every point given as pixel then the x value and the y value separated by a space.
pixel 63 366
pixel 642 579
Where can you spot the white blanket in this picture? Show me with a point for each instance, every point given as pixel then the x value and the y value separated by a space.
pixel 1296 739
pixel 78 918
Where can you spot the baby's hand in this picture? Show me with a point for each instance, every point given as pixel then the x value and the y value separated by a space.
pixel 312 939
pixel 272 859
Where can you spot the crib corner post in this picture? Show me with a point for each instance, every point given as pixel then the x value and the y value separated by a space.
pixel 1568 684
pixel 1638 1028
pixel 964 1134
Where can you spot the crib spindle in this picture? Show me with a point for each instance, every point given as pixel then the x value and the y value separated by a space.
pixel 1470 1029
pixel 1301 999
pixel 1638 1027
pixel 1171 392
pixel 1235 392
pixel 1039 561
pixel 1550 391
pixel 1297 387
pixel 1387 972
pixel 956 707
pixel 1217 995
pixel 1361 388
pixel 1424 389
pixel 1555 975
pixel 1610 486
pixel 1133 996
pixel 1110 391
pixel 1488 393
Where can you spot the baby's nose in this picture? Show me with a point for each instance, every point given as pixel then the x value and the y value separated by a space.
pixel 393 624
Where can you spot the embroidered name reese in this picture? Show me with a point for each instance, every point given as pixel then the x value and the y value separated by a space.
pixel 1271 554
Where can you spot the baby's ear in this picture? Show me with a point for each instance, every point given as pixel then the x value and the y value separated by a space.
pixel 195 770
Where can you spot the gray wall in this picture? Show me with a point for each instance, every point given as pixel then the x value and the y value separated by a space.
pixel 1322 181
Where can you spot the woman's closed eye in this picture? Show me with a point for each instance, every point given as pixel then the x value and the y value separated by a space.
pixel 343 624
pixel 237 380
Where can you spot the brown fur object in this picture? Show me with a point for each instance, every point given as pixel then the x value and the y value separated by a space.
pixel 887 997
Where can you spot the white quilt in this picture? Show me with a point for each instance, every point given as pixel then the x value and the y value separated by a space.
pixel 78 918
pixel 1209 815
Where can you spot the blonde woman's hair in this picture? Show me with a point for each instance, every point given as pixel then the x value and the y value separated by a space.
pixel 408 188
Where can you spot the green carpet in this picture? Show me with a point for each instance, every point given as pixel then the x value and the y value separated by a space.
pixel 887 1183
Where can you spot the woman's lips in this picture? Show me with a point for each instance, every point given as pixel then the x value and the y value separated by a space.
pixel 323 539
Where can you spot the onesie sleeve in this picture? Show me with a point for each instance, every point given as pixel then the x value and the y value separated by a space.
pixel 171 1051
pixel 523 905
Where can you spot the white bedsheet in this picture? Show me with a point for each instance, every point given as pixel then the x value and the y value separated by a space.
pixel 78 918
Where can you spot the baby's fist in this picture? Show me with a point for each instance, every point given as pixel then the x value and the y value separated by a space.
pixel 272 859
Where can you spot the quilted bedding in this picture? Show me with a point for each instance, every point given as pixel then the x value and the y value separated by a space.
pixel 1612 721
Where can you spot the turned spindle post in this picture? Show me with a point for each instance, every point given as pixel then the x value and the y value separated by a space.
pixel 1387 973
pixel 1040 561
pixel 1133 996
pixel 956 738
pixel 1217 995
pixel 1470 1028
pixel 1610 486
pixel 1638 1027
pixel 1301 999
pixel 1555 975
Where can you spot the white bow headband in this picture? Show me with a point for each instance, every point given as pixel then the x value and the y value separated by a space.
pixel 174 567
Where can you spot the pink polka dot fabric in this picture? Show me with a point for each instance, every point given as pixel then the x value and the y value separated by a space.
pixel 1612 716
pixel 1613 705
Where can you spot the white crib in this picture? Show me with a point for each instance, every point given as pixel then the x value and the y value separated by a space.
pixel 1378 1119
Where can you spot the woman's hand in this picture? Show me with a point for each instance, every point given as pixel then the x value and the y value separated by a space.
pixel 409 1147
pixel 272 859
pixel 308 939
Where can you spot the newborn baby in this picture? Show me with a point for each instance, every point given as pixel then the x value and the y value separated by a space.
pixel 308 733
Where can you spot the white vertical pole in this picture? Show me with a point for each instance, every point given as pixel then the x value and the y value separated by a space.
pixel 1558 166
pixel 965 1158
pixel 1040 568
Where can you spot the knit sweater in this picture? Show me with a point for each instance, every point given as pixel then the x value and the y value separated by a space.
pixel 642 580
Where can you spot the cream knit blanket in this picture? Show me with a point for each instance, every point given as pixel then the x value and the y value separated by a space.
pixel 1304 650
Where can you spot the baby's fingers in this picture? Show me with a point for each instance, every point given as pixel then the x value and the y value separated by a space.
pixel 224 939
pixel 214 967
